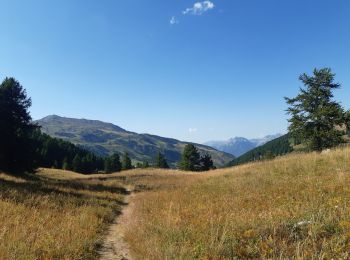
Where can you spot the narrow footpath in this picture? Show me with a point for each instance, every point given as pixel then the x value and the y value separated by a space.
pixel 114 246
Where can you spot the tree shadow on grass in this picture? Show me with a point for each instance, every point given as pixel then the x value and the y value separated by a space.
pixel 84 185
pixel 23 191
pixel 34 191
pixel 77 184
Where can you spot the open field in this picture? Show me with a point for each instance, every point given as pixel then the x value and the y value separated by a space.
pixel 297 206
pixel 55 215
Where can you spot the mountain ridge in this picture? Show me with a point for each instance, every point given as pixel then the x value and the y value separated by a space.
pixel 105 138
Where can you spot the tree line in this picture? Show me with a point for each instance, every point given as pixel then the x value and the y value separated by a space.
pixel 60 154
pixel 23 147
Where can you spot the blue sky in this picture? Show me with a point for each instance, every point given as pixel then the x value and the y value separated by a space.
pixel 190 70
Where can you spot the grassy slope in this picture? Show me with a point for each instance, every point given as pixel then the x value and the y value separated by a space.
pixel 55 214
pixel 293 206
pixel 249 211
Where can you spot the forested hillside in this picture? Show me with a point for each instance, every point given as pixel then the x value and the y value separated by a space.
pixel 278 146
pixel 105 138
pixel 59 154
pixel 238 146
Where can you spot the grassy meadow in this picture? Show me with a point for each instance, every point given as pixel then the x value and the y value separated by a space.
pixel 297 206
pixel 56 214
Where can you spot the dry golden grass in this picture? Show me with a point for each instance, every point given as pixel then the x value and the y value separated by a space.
pixel 296 206
pixel 55 214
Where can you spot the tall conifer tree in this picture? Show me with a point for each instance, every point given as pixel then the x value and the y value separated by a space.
pixel 314 114
pixel 17 150
pixel 161 161
pixel 126 162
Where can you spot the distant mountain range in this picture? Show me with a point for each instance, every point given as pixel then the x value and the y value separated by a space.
pixel 106 138
pixel 240 145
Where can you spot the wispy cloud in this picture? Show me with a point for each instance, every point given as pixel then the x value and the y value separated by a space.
pixel 199 8
pixel 173 20
pixel 192 130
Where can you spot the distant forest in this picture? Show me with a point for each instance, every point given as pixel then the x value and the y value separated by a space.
pixel 24 148
pixel 276 147
pixel 59 154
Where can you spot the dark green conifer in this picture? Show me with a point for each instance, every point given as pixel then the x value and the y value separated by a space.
pixel 126 162
pixel 206 163
pixel 77 163
pixel 161 161
pixel 190 160
pixel 314 114
pixel 17 147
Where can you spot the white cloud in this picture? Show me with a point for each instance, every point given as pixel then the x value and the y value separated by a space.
pixel 192 130
pixel 199 8
pixel 173 20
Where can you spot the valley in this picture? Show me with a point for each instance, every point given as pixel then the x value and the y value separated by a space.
pixel 174 130
pixel 105 139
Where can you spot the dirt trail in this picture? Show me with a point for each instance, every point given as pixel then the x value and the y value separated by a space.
pixel 114 246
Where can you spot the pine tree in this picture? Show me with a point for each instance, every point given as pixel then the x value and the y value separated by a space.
pixel 126 162
pixel 112 164
pixel 314 113
pixel 77 163
pixel 145 164
pixel 17 151
pixel 65 165
pixel 84 166
pixel 347 121
pixel 116 162
pixel 108 168
pixel 206 163
pixel 55 165
pixel 161 161
pixel 190 160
